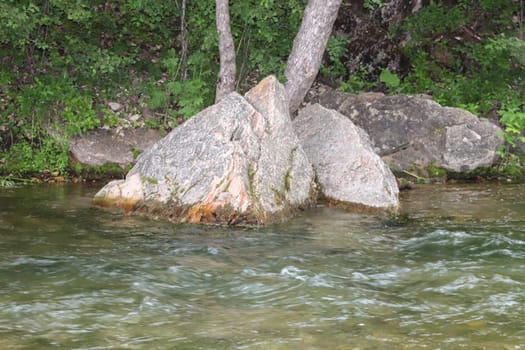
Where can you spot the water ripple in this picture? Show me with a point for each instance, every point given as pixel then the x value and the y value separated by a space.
pixel 328 280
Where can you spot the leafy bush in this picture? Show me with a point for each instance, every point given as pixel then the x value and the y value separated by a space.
pixel 373 4
pixel 357 82
pixel 390 79
pixel 336 51
pixel 27 158
pixel 513 118
pixel 472 71
pixel 434 20
pixel 61 61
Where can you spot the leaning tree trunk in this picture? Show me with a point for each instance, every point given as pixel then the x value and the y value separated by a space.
pixel 308 48
pixel 226 78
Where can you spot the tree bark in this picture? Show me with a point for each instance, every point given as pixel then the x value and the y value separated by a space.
pixel 183 42
pixel 226 77
pixel 308 48
pixel 521 20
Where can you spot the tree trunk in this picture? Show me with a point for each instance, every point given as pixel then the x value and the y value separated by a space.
pixel 521 20
pixel 308 48
pixel 226 78
pixel 183 43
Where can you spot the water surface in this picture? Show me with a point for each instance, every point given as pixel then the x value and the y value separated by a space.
pixel 73 276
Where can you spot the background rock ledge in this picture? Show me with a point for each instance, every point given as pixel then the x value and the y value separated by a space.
pixel 101 147
pixel 411 132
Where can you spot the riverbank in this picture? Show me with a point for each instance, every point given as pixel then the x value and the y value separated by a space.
pixel 421 141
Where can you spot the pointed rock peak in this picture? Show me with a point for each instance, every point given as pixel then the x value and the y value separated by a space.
pixel 266 86
pixel 269 97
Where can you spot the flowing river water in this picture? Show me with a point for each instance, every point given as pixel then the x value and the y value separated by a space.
pixel 449 276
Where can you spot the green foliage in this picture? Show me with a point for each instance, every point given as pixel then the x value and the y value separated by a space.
pixel 434 20
pixel 79 116
pixel 180 99
pixel 513 118
pixel 475 73
pixel 176 98
pixel 494 77
pixel 136 152
pixel 372 5
pixel 26 158
pixel 336 51
pixel 263 32
pixel 6 182
pixel 436 172
pixel 511 165
pixel 38 123
pixel 390 79
pixel 189 96
pixel 110 118
pixel 456 57
pixel 110 170
pixel 357 82
pixel 12 182
pixel 158 99
pixel 61 61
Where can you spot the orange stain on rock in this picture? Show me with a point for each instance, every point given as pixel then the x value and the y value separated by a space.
pixel 204 213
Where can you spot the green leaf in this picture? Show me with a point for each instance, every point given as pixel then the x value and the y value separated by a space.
pixel 390 79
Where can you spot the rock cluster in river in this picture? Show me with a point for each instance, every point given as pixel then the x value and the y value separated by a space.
pixel 415 132
pixel 241 162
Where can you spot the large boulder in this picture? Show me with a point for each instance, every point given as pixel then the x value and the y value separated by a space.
pixel 414 131
pixel 349 172
pixel 236 162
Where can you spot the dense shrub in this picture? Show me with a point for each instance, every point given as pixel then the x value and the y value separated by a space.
pixel 61 61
